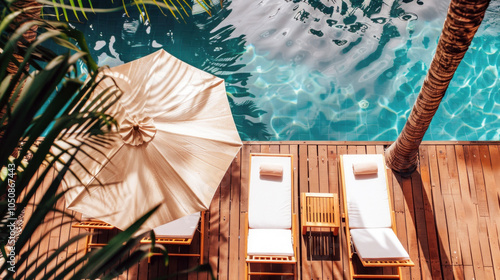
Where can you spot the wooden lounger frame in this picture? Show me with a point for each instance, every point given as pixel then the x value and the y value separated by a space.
pixel 370 263
pixel 285 260
pixel 180 241
pixel 91 225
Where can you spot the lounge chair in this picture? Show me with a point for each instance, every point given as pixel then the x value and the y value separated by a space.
pixel 180 232
pixel 91 225
pixel 271 223
pixel 370 221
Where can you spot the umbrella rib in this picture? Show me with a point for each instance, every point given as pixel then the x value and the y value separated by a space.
pixel 194 195
pixel 104 165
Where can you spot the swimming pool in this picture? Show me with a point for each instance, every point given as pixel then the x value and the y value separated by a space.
pixel 321 70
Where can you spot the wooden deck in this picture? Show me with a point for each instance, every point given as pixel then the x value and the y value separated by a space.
pixel 447 214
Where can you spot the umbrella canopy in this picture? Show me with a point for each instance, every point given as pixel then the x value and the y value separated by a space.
pixel 176 141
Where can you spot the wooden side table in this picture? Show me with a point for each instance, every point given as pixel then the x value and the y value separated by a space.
pixel 320 210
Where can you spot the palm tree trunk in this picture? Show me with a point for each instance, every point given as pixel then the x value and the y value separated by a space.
pixel 460 26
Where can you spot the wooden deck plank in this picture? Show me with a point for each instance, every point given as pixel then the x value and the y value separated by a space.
pixel 489 273
pixel 452 163
pixel 462 170
pixel 472 227
pixel 468 272
pixel 425 174
pixel 480 188
pixel 444 175
pixel 439 210
pixel 400 216
pixel 495 166
pixel 313 171
pixel 351 149
pixel 245 158
pixel 344 256
pixel 194 248
pixel 484 242
pixel 284 149
pixel 294 151
pixel 333 179
pixel 494 223
pixel 153 271
pixel 469 204
pixel 274 149
pixel 461 231
pixel 81 245
pixel 464 197
pixel 213 233
pixel 323 168
pixel 73 248
pixel 313 176
pixel 224 211
pixel 481 255
pixel 234 222
pixel 489 182
pixel 371 149
pixel 327 234
pixel 411 230
pixel 28 211
pixel 174 265
pixel 451 212
pixel 470 173
pixel 265 149
pixel 421 227
pixel 245 172
pixel 451 219
pixel 140 270
pixel 333 187
pixel 306 269
pixel 447 214
pixel 65 233
pixel 494 238
pixel 398 201
pixel 43 230
pixel 447 184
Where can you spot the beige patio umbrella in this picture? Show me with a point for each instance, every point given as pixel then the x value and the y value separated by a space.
pixel 177 138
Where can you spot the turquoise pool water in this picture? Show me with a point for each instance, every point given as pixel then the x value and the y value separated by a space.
pixel 321 70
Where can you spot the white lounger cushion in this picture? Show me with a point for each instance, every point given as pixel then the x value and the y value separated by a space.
pixel 378 244
pixel 270 242
pixel 184 227
pixel 270 197
pixel 367 196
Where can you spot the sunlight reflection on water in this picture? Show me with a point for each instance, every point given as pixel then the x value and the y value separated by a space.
pixel 326 70
pixel 378 60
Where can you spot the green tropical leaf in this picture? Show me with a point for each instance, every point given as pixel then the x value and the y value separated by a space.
pixel 178 8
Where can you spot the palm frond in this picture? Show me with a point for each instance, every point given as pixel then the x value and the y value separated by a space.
pixel 50 102
pixel 177 8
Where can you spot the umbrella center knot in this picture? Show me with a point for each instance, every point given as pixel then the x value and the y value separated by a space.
pixel 136 133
